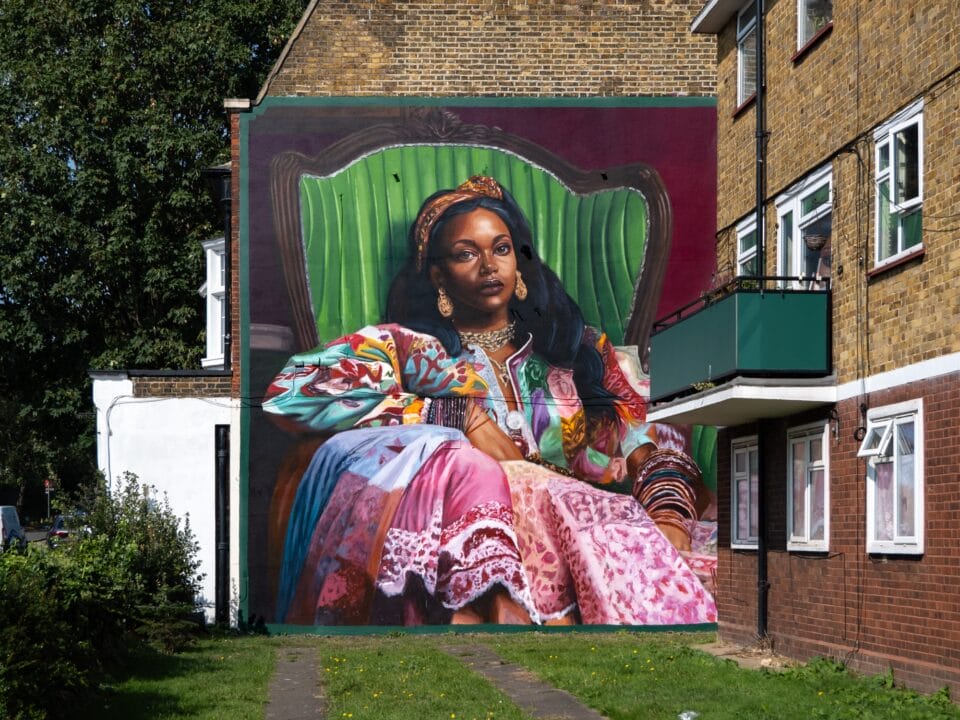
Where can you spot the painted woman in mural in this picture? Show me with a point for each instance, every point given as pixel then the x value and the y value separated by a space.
pixel 489 458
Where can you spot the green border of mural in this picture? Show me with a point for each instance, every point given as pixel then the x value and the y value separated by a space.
pixel 660 101
pixel 245 118
pixel 278 629
pixel 243 240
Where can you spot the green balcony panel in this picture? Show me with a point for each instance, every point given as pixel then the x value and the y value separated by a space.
pixel 751 333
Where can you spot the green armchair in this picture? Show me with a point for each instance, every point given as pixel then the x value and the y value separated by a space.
pixel 341 222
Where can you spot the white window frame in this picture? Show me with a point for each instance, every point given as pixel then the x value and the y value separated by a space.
pixel 214 292
pixel 885 144
pixel 800 538
pixel 745 27
pixel 744 228
pixel 879 445
pixel 792 220
pixel 803 37
pixel 743 446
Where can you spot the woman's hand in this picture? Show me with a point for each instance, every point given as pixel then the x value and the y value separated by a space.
pixel 484 434
pixel 677 537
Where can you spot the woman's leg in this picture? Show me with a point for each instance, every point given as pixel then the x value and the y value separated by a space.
pixel 454 529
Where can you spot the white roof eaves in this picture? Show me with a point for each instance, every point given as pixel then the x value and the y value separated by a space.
pixel 715 15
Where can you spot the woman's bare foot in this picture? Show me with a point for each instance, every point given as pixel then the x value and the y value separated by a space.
pixel 504 610
pixel 466 616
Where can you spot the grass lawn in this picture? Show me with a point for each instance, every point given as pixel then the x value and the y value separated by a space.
pixel 631 675
pixel 624 675
pixel 215 678
pixel 405 678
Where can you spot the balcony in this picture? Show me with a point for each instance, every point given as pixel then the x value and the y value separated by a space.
pixel 750 349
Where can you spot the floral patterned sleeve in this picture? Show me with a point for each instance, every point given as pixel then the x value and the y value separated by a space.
pixel 379 375
pixel 596 451
pixel 634 431
pixel 664 482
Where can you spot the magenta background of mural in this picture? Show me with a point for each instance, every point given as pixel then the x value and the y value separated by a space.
pixel 679 142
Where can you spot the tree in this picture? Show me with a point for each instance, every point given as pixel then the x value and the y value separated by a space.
pixel 109 110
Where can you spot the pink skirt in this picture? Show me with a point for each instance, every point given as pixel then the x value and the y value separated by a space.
pixel 411 531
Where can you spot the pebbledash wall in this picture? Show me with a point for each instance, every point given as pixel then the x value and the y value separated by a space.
pixel 894 333
pixel 160 426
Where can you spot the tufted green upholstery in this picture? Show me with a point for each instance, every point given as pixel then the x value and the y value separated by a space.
pixel 355 222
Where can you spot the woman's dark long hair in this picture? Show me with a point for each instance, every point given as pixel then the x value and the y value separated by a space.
pixel 548 313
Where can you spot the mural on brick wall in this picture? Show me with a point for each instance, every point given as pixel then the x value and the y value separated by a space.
pixel 449 310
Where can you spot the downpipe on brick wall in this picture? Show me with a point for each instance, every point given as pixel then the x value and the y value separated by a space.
pixel 222 526
pixel 763 584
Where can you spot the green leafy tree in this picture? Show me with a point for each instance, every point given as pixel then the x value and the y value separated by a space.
pixel 109 111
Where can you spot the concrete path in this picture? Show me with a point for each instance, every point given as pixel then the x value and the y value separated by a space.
pixel 529 692
pixel 759 656
pixel 295 692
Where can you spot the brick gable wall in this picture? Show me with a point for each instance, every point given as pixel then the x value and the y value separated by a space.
pixel 495 48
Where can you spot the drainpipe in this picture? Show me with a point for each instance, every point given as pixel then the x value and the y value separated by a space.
pixel 761 146
pixel 763 584
pixel 222 525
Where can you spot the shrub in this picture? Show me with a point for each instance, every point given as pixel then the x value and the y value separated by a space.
pixel 59 624
pixel 159 558
pixel 68 615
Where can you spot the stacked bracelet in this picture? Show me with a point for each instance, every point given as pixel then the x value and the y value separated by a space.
pixel 665 487
pixel 449 412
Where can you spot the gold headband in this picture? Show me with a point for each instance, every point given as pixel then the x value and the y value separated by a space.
pixel 476 186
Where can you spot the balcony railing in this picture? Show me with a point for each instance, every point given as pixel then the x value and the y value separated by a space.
pixel 750 327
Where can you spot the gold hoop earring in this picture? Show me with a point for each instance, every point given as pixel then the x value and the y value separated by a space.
pixel 444 303
pixel 520 290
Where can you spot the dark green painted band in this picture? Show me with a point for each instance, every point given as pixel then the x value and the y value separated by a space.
pixel 628 101
pixel 336 630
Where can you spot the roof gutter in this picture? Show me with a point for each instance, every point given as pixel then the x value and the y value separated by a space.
pixel 715 15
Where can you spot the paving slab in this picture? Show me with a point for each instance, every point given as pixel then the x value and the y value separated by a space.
pixel 295 692
pixel 758 656
pixel 527 690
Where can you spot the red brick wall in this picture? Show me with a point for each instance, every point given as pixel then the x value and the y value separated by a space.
pixel 235 298
pixel 873 612
pixel 181 386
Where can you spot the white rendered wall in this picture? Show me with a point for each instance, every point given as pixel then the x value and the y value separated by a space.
pixel 168 443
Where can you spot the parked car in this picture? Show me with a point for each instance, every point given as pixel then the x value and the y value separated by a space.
pixel 11 532
pixel 65 526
